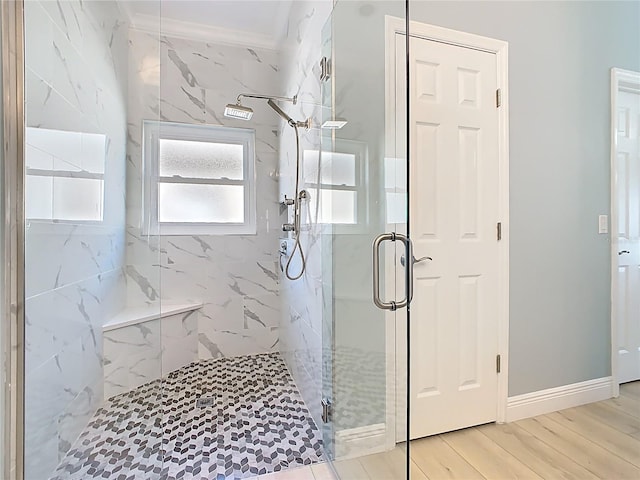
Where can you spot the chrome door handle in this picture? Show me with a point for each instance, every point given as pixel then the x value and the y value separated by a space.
pixel 623 251
pixel 392 305
pixel 415 260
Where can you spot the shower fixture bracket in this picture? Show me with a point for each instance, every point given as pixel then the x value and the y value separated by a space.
pixel 327 410
pixel 306 124
pixel 325 69
pixel 288 202
pixel 293 99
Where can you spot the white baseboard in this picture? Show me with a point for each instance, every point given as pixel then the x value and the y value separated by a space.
pixel 558 398
pixel 356 442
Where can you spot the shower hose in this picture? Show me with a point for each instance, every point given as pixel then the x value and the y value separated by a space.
pixel 297 207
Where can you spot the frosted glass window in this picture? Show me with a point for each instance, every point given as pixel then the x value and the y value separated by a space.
pixel 336 206
pixel 78 199
pixel 84 151
pixel 38 202
pixel 61 144
pixel 93 152
pixel 60 165
pixel 339 179
pixel 396 207
pixel 37 158
pixel 191 159
pixel 395 173
pixel 64 175
pixel 199 179
pixel 335 168
pixel 200 203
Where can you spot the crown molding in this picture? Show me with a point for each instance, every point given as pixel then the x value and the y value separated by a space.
pixel 125 10
pixel 153 24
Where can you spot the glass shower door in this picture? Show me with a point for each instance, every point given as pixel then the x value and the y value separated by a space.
pixel 91 359
pixel 363 207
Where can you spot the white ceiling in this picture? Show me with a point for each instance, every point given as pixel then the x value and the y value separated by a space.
pixel 259 22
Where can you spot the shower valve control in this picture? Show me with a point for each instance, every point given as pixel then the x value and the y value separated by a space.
pixel 288 227
pixel 288 201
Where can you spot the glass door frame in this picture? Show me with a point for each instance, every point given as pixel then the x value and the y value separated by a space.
pixel 13 233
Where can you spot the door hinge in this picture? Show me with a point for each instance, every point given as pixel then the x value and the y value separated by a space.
pixel 327 410
pixel 499 230
pixel 497 363
pixel 498 97
pixel 325 69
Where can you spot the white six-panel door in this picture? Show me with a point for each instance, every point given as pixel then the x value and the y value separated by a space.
pixel 454 213
pixel 627 171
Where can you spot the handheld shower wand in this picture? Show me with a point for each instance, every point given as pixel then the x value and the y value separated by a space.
pixel 292 123
pixel 241 112
pixel 299 196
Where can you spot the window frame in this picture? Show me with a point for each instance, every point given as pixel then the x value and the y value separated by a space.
pixel 360 153
pixel 74 172
pixel 153 132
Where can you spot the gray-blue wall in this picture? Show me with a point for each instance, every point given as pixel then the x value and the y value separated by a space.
pixel 560 56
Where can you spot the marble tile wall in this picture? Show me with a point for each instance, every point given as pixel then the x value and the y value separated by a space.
pixel 303 302
pixel 140 353
pixel 235 277
pixel 75 79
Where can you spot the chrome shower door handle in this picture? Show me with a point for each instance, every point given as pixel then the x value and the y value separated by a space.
pixel 392 305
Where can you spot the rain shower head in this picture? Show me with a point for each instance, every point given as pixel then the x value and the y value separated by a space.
pixel 238 111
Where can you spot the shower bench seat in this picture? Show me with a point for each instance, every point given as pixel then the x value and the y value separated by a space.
pixel 145 343
pixel 134 315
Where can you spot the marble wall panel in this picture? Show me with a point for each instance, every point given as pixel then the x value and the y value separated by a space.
pixel 147 351
pixel 132 357
pixel 235 277
pixel 302 300
pixel 179 339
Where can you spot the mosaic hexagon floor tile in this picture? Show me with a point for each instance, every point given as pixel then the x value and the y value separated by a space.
pixel 227 418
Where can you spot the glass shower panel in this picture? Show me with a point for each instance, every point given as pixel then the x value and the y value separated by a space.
pixel 227 373
pixel 91 277
pixel 365 354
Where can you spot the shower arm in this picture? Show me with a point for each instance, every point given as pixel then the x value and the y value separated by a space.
pixel 293 99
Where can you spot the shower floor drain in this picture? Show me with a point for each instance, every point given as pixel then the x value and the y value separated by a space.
pixel 205 402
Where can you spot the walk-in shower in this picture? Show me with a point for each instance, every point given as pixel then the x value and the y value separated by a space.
pixel 164 334
pixel 242 112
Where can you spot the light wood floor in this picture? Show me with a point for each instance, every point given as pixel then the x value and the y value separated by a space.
pixel 600 440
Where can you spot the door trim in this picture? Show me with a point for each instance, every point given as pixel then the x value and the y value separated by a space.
pixel 626 80
pixel 393 27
